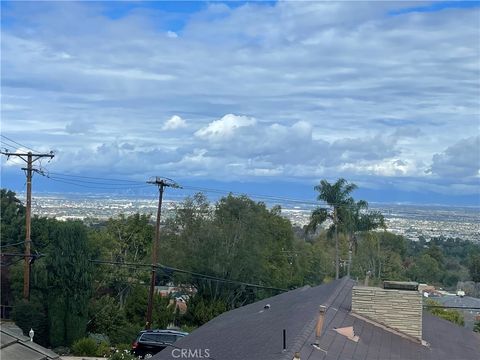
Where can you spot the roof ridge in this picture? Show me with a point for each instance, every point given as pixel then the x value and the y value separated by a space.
pixel 304 334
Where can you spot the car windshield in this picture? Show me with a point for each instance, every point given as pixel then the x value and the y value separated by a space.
pixel 158 338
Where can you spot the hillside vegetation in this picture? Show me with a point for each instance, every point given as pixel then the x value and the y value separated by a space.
pixel 235 238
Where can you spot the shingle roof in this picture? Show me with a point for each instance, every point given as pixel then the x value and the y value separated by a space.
pixel 252 332
pixel 15 346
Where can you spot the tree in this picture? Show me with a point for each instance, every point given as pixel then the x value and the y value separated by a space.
pixel 338 197
pixel 136 303
pixel 358 220
pixel 122 239
pixel 69 283
pixel 425 269
pixel 474 266
pixel 12 220
pixel 12 230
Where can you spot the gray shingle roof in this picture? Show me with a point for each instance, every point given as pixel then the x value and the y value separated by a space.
pixel 15 346
pixel 252 332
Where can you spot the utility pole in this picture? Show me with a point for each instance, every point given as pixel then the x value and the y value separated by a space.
pixel 29 158
pixel 335 222
pixel 162 183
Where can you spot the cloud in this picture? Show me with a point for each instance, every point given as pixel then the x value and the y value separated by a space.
pixel 225 128
pixel 309 89
pixel 79 127
pixel 172 34
pixel 174 123
pixel 459 160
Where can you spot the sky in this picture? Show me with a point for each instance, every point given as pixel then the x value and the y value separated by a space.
pixel 252 97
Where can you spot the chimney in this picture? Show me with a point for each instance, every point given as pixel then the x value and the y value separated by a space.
pixel 397 306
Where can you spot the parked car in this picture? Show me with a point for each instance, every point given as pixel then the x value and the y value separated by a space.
pixel 150 342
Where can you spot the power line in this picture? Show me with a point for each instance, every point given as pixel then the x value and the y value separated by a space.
pixel 14 244
pixel 77 181
pixel 19 144
pixel 81 183
pixel 194 274
pixel 94 178
pixel 451 307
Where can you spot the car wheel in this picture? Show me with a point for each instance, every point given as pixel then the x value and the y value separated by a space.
pixel 148 356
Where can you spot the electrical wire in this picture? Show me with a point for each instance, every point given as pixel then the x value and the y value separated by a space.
pixel 81 183
pixel 77 178
pixel 194 274
pixel 19 144
pixel 94 178
pixel 15 244
pixel 451 307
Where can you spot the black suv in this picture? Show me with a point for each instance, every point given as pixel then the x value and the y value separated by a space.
pixel 150 342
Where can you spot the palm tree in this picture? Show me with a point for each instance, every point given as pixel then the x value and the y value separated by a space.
pixel 338 197
pixel 359 220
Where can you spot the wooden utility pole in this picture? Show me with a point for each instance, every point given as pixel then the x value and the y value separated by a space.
pixel 29 158
pixel 162 183
pixel 335 223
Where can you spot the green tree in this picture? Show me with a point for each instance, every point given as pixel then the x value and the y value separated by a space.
pixel 69 283
pixel 12 230
pixel 136 306
pixel 122 239
pixel 425 269
pixel 31 315
pixel 12 221
pixel 357 221
pixel 474 266
pixel 338 197
pixel 237 239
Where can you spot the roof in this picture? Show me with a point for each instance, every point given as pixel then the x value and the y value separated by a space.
pixel 15 346
pixel 253 332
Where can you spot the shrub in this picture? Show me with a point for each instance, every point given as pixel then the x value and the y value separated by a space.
pixel 453 316
pixel 85 347
pixel 103 350
pixel 30 315
pixel 122 355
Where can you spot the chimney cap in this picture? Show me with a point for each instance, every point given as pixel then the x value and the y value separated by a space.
pixel 401 285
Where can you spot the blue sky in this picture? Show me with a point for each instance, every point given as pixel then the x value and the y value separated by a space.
pixel 249 95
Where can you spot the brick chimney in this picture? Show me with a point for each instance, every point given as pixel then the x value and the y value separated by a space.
pixel 397 306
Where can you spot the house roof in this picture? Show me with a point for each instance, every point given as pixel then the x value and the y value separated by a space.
pixel 254 332
pixel 15 346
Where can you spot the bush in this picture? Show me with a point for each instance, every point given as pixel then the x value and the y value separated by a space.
pixel 453 316
pixel 122 355
pixel 62 350
pixel 85 347
pixel 31 315
pixel 103 350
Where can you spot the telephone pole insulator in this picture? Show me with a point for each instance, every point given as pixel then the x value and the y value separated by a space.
pixel 162 183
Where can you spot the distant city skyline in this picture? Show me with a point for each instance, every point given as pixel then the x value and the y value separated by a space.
pixel 251 97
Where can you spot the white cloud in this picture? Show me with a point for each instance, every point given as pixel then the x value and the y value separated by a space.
pixel 329 88
pixel 225 128
pixel 174 123
pixel 172 34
